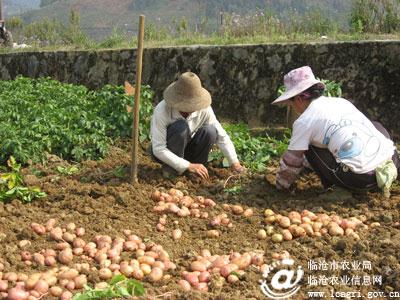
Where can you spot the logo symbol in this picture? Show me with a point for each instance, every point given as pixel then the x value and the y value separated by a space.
pixel 283 284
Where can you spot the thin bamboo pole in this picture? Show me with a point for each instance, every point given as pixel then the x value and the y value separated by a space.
pixel 1 10
pixel 135 129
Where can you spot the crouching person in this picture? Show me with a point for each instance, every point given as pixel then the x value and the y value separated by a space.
pixel 184 128
pixel 340 143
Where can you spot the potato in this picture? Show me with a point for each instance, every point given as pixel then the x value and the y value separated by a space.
pixel 299 232
pixel 32 280
pixel 68 237
pixel 145 268
pixel 335 230
pixel 55 291
pixel 287 236
pixel 3 285
pixel 270 219
pixel 248 213
pixel 204 276
pixel 268 212
pixel 232 278
pixel 67 295
pixel 146 260
pixel 50 261
pixel 184 285
pixel 50 224
pixel 198 266
pixel 80 281
pixel 261 234
pixel 317 226
pixel 80 231
pixel 24 244
pixel 257 259
pixel 68 274
pixel 242 262
pixel 155 275
pixel 284 222
pixel 228 269
pixel 209 202
pixel 38 258
pixel 65 256
pixel 237 209
pixel 212 233
pixel 277 238
pixel 375 224
pixel 41 287
pixel 176 234
pixel 37 228
pixel 191 277
pixel 56 234
pixel 307 228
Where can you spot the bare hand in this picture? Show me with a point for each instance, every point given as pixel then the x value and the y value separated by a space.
pixel 238 168
pixel 199 170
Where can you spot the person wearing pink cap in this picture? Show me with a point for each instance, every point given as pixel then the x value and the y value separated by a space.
pixel 338 141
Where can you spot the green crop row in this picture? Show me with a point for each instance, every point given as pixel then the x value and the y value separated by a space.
pixel 43 115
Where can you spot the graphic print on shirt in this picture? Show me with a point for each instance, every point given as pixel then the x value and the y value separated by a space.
pixel 351 138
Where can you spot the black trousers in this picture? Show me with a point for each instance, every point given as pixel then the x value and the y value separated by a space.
pixel 333 173
pixel 194 149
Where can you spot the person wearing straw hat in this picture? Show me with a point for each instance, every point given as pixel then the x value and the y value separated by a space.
pixel 184 128
pixel 332 136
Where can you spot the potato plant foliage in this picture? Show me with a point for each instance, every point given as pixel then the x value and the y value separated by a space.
pixel 12 184
pixel 253 151
pixel 71 121
pixel 118 287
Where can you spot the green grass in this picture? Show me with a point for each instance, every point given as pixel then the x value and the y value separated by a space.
pixel 213 40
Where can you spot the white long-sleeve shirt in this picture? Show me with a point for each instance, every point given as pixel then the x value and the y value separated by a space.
pixel 165 115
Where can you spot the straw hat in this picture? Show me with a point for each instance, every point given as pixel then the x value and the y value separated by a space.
pixel 296 81
pixel 186 94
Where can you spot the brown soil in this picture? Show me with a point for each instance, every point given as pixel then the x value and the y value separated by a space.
pixel 104 203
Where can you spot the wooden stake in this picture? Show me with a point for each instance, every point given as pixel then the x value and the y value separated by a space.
pixel 135 129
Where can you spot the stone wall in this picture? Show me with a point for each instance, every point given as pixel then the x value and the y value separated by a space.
pixel 242 79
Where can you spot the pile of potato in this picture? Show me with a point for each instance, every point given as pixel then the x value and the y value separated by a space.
pixel 307 223
pixel 176 202
pixel 207 268
pixel 72 259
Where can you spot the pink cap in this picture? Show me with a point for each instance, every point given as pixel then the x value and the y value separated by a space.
pixel 296 81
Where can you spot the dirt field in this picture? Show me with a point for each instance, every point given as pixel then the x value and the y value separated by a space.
pixel 104 203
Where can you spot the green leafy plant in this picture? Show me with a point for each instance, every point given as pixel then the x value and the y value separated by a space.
pixel 12 185
pixel 254 151
pixel 332 88
pixel 119 287
pixel 69 170
pixel 44 115
pixel 111 105
pixel 120 171
pixel 237 189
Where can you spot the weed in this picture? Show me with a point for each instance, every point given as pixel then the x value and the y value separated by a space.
pixel 237 189
pixel 69 170
pixel 12 185
pixel 118 287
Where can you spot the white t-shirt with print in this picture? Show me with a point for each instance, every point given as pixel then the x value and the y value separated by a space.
pixel 336 124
